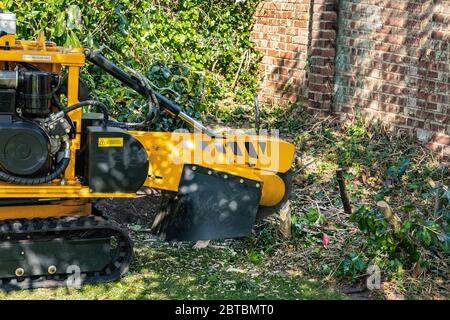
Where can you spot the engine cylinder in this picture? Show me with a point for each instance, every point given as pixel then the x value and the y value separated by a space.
pixel 36 93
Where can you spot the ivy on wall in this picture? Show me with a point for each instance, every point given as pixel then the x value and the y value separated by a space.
pixel 197 52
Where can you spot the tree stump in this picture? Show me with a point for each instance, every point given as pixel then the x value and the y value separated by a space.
pixel 286 220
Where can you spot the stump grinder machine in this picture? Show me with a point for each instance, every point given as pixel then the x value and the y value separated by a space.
pixel 57 159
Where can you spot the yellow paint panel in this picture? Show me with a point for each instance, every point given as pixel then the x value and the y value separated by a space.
pixel 264 152
pixel 8 39
pixel 168 152
pixel 57 209
pixel 39 56
pixel 55 190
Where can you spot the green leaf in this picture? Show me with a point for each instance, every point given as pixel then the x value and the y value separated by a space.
pixel 406 226
pixel 312 215
pixel 409 208
pixel 403 166
pixel 60 26
pixel 73 40
pixel 74 17
pixel 89 40
pixel 425 237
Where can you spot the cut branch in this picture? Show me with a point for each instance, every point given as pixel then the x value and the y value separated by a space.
pixel 390 216
pixel 343 191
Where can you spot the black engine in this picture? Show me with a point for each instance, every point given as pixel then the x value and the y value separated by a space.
pixel 25 148
pixel 30 135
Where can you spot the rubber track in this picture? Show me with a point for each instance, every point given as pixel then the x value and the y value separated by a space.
pixel 69 227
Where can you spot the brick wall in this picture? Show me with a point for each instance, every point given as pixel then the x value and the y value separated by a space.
pixel 385 59
pixel 321 56
pixel 281 34
pixel 392 63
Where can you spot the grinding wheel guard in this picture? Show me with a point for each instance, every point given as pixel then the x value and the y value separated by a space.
pixel 215 187
pixel 209 205
pixel 252 157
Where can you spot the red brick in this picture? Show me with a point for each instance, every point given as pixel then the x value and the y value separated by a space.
pixel 442 139
pixel 400 68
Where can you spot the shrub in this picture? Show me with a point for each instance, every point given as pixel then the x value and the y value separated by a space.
pixel 197 52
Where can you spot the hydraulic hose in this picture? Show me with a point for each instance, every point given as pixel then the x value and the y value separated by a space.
pixel 153 106
pixel 59 170
pixel 60 107
pixel 94 103
pixel 134 83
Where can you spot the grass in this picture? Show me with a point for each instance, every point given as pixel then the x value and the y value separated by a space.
pixel 379 166
pixel 163 271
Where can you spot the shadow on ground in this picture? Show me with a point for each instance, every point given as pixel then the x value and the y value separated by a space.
pixel 177 271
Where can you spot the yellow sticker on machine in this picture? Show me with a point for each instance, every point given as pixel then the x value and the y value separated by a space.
pixel 110 142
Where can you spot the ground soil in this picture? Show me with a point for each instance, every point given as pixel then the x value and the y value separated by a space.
pixel 141 211
pixel 128 212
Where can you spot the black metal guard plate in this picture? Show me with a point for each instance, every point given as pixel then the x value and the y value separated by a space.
pixel 210 205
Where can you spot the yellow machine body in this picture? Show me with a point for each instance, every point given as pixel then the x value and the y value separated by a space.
pixel 167 151
pixel 56 160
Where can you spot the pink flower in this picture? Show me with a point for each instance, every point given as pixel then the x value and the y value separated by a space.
pixel 325 239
